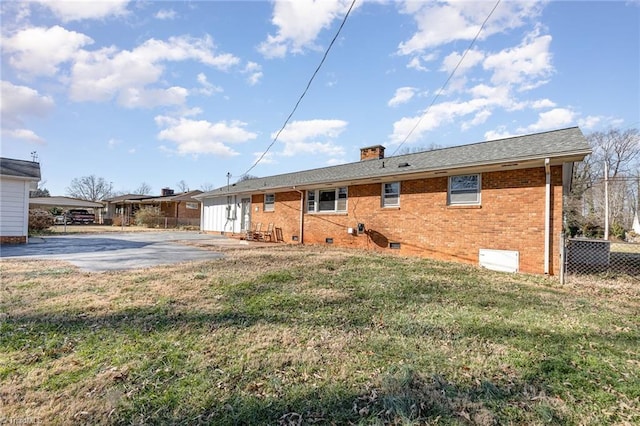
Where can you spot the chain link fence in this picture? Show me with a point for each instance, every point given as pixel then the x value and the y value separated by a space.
pixel 582 256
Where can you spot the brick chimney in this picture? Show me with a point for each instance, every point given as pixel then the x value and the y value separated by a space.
pixel 166 192
pixel 375 152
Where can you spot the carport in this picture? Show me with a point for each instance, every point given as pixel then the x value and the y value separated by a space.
pixel 64 203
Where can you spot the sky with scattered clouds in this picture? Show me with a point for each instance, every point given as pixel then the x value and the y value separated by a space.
pixel 162 92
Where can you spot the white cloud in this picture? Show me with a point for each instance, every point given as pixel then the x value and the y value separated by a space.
pixel 480 117
pixel 203 137
pixel 485 100
pixel 78 10
pixel 299 23
pixel 472 58
pixel 590 121
pixel 500 133
pixel 166 14
pixel 207 88
pixel 105 73
pixel 23 134
pixel 312 137
pixel 39 51
pixel 255 73
pixel 148 98
pixel 527 65
pixel 440 23
pixel 112 143
pixel 267 158
pixel 402 95
pixel 553 119
pixel 19 102
pixel 543 103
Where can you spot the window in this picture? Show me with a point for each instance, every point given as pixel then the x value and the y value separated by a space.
pixel 192 206
pixel 327 200
pixel 464 189
pixel 269 202
pixel 391 194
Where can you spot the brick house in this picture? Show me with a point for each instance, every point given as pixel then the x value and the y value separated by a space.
pixel 177 209
pixel 496 203
pixel 17 179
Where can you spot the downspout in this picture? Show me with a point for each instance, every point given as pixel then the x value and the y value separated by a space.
pixel 301 214
pixel 547 217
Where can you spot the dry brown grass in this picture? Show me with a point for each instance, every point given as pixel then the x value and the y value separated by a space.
pixel 286 333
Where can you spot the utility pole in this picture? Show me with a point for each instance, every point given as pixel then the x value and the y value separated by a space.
pixel 606 201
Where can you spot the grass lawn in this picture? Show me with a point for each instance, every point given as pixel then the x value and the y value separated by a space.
pixel 303 335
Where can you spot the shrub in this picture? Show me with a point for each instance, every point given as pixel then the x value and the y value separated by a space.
pixel 149 217
pixel 39 220
pixel 618 231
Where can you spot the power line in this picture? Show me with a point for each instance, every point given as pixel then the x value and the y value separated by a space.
pixel 448 79
pixel 344 20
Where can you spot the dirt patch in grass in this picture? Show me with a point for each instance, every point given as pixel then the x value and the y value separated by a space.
pixel 304 335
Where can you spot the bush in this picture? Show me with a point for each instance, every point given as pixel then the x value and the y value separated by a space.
pixel 618 231
pixel 149 217
pixel 39 220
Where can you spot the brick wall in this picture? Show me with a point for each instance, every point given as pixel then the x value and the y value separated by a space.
pixel 511 217
pixel 13 240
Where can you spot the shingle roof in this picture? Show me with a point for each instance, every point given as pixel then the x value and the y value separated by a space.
pixel 19 168
pixel 183 196
pixel 558 143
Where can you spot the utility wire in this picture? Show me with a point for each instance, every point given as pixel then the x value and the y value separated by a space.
pixel 344 20
pixel 448 79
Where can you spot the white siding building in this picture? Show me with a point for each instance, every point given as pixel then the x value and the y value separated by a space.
pixel 17 178
pixel 226 214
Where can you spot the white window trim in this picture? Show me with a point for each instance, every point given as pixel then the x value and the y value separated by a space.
pixel 478 200
pixel 384 195
pixel 316 200
pixel 192 205
pixel 269 206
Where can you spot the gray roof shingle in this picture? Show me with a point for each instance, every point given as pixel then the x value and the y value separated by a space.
pixel 19 168
pixel 551 144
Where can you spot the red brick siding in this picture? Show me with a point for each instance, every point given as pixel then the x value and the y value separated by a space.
pixel 13 240
pixel 510 217
pixel 180 210
pixel 286 213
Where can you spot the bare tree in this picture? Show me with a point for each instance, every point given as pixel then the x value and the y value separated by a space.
pixel 41 191
pixel 207 186
pixel 143 189
pixel 416 149
pixel 182 186
pixel 618 153
pixel 247 177
pixel 90 188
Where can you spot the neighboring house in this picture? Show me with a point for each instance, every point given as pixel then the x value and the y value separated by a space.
pixel 496 203
pixel 17 178
pixel 177 209
pixel 123 207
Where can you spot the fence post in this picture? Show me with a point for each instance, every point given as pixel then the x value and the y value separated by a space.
pixel 563 248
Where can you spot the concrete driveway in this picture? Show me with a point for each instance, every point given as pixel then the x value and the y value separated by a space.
pixel 120 251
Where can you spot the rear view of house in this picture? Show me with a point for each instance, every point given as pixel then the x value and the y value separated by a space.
pixel 17 178
pixel 497 203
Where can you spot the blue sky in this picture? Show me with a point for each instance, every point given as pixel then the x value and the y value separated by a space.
pixel 162 92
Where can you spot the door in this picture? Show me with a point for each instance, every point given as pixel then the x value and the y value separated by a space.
pixel 245 215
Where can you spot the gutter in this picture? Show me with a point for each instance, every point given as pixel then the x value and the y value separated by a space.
pixel 301 214
pixel 547 216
